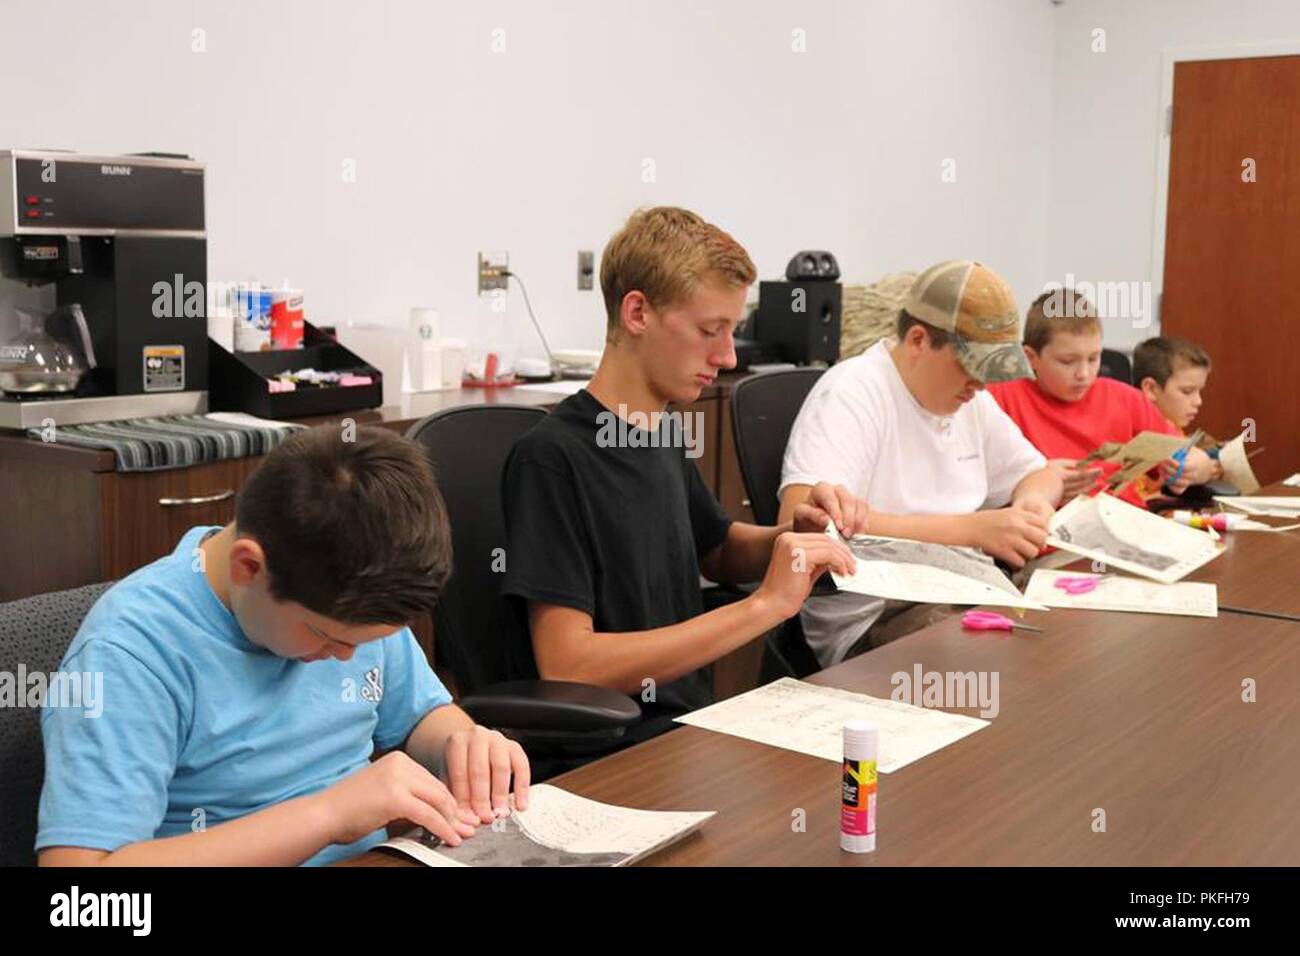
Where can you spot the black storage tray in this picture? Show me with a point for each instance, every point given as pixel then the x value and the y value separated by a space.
pixel 237 381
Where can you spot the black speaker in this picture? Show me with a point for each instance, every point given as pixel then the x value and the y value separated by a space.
pixel 802 319
pixel 812 264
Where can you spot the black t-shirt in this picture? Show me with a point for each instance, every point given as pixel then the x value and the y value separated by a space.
pixel 611 529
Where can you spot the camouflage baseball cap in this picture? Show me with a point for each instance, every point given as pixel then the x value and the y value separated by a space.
pixel 972 302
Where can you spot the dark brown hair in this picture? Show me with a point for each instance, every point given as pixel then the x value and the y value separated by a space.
pixel 938 337
pixel 1155 358
pixel 352 524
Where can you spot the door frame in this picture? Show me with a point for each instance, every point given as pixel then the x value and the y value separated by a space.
pixel 1164 142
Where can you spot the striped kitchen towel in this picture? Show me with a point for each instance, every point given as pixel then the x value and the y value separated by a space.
pixel 153 444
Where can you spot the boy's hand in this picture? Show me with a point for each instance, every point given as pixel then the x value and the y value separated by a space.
pixel 797 561
pixel 1014 534
pixel 480 763
pixel 1036 505
pixel 1198 468
pixel 831 503
pixel 1078 478
pixel 394 787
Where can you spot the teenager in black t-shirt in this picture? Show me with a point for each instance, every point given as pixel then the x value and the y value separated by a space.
pixel 609 523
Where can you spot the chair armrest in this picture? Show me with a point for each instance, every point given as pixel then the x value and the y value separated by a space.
pixel 551 706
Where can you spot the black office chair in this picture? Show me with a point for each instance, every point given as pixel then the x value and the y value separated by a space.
pixel 763 410
pixel 34 632
pixel 479 636
pixel 1116 365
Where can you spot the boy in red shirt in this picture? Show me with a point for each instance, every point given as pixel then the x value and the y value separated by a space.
pixel 1067 411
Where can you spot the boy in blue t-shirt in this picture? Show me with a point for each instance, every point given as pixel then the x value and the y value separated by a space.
pixel 249 676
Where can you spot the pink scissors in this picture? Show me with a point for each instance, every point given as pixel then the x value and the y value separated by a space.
pixel 989 621
pixel 1077 585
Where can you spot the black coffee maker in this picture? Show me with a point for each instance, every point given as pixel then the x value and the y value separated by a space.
pixel 122 239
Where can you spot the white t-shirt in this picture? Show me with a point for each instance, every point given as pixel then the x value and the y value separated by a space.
pixel 862 428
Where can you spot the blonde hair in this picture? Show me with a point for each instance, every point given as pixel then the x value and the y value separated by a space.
pixel 1059 310
pixel 664 253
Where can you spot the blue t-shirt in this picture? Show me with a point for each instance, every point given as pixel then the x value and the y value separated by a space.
pixel 198 724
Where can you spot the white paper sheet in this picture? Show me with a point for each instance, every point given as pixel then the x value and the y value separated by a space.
pixel 251 421
pixel 1123 536
pixel 904 570
pixel 1293 481
pixel 1117 592
pixel 1236 466
pixel 1250 524
pixel 809 719
pixel 563 387
pixel 1275 506
pixel 559 829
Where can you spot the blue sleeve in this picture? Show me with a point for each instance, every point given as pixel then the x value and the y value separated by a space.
pixel 107 773
pixel 411 690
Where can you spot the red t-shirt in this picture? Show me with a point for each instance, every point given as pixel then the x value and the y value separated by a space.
pixel 1111 411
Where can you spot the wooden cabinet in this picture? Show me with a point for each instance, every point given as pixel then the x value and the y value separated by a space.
pixel 144 514
pixel 67 526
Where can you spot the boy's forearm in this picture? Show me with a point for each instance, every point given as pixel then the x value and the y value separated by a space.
pixel 936 529
pixel 1045 484
pixel 743 556
pixel 283 835
pixel 429 738
pixel 624 661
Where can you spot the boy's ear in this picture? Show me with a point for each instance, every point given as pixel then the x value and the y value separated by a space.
pixel 632 312
pixel 246 560
pixel 1149 388
pixel 1030 354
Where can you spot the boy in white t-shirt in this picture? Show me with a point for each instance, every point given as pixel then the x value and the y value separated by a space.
pixel 908 427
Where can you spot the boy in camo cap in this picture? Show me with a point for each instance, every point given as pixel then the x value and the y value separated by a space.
pixel 908 427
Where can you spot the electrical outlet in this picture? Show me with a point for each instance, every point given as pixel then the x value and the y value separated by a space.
pixel 586 268
pixel 492 268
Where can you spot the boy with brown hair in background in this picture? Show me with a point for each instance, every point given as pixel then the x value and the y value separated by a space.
pixel 1068 411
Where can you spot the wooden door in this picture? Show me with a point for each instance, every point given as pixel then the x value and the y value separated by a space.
pixel 1232 246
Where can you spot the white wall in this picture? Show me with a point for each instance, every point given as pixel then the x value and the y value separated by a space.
pixel 539 150
pixel 1107 125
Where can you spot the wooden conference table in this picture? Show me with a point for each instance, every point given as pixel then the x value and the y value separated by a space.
pixel 1141 716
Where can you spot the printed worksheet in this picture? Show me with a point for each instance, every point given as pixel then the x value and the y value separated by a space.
pixel 1132 539
pixel 923 573
pixel 809 719
pixel 1275 507
pixel 1118 592
pixel 558 829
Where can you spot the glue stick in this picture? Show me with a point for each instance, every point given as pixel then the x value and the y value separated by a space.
pixel 1219 522
pixel 858 788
